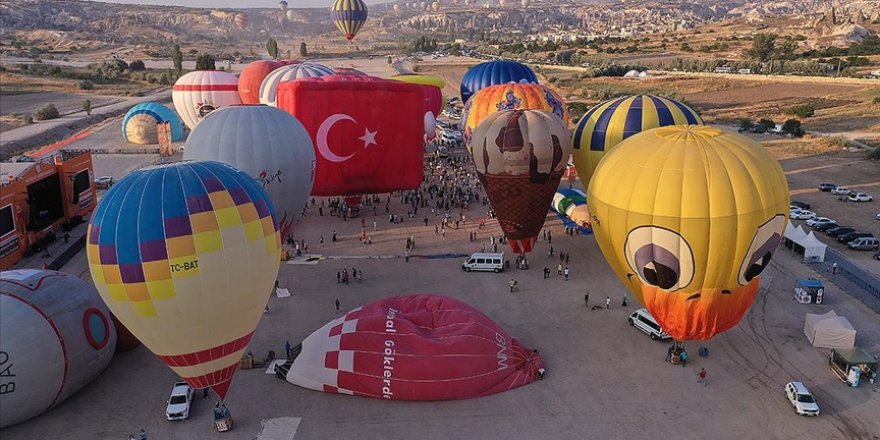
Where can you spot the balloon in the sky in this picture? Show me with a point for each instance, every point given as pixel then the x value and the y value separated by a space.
pixel 252 77
pixel 417 347
pixel 198 93
pixel 368 132
pixel 283 5
pixel 55 337
pixel 396 7
pixel 139 126
pixel 525 3
pixel 435 6
pixel 509 96
pixel 185 254
pixel 349 16
pixel 520 156
pixel 494 72
pixel 267 143
pixel 291 15
pixel 241 20
pixel 502 3
pixel 289 73
pixel 610 122
pixel 688 217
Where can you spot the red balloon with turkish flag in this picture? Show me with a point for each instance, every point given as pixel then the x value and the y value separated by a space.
pixel 367 132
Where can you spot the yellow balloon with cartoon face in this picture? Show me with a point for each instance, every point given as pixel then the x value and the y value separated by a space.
pixel 688 216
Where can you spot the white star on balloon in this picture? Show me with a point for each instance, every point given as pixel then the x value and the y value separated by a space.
pixel 369 138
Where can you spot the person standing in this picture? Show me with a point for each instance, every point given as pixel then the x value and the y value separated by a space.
pixel 669 353
pixel 337 305
pixel 559 269
pixel 703 377
pixel 205 392
pixel 143 435
pixel 624 299
pixel 607 302
pixel 684 358
pixel 587 300
pixel 287 348
pixel 566 273
pixel 834 268
pixel 549 237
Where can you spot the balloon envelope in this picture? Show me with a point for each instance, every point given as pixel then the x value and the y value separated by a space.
pixel 268 144
pixel 269 87
pixel 252 77
pixel 520 156
pixel 510 96
pixel 418 347
pixel 688 217
pixel 139 123
pixel 185 254
pixel 198 93
pixel 349 16
pixel 494 72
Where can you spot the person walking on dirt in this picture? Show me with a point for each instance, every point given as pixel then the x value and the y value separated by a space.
pixel 624 299
pixel 607 302
pixel 587 300
pixel 512 284
pixel 703 377
pixel 834 268
pixel 565 272
pixel 559 269
pixel 337 306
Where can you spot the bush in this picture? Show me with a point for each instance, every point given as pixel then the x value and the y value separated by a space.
pixel 86 85
pixel 801 111
pixel 793 127
pixel 768 124
pixel 746 125
pixel 164 80
pixel 46 112
pixel 137 66
pixel 876 100
pixel 874 154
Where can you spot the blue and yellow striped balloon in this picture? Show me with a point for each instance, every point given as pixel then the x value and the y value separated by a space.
pixel 610 122
pixel 349 16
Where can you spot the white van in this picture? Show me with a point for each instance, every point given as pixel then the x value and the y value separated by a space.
pixel 485 262
pixel 643 321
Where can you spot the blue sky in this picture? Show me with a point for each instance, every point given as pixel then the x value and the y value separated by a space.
pixel 234 3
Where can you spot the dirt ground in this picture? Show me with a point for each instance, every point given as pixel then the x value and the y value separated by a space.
pixel 64 102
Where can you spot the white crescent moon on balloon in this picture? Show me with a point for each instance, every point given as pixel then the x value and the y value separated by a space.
pixel 324 130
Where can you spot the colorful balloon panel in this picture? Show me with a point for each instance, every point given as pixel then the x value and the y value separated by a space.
pixel 267 143
pixel 609 123
pixel 368 132
pixel 520 156
pixel 510 96
pixel 252 77
pixel 572 203
pixel 688 217
pixel 139 123
pixel 494 72
pixel 185 254
pixel 349 16
pixel 418 347
pixel 269 86
pixel 198 93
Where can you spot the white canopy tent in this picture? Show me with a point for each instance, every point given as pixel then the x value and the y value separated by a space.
pixel 804 243
pixel 829 331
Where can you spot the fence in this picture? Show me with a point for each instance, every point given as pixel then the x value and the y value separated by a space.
pixel 69 253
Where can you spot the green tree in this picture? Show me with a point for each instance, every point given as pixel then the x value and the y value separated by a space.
pixel 793 127
pixel 164 79
pixel 177 57
pixel 46 112
pixel 746 125
pixel 87 106
pixel 137 65
pixel 272 48
pixel 205 62
pixel 763 47
pixel 303 49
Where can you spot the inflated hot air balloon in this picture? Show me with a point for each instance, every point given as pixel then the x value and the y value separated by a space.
pixel 417 347
pixel 432 87
pixel 502 3
pixel 520 156
pixel 525 3
pixel 267 143
pixel 368 132
pixel 241 20
pixel 291 15
pixel 572 204
pixel 283 5
pixel 494 72
pixel 610 122
pixel 688 217
pixel 185 254
pixel 198 93
pixel 252 77
pixel 349 16
pixel 139 126
pixel 289 73
pixel 435 6
pixel 56 336
pixel 510 96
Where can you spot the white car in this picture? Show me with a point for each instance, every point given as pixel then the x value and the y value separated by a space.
pixel 179 402
pixel 801 399
pixel 860 197
pixel 103 182
pixel 815 220
pixel 800 214
pixel 840 191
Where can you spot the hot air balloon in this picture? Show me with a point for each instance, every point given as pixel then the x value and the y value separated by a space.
pixel 283 5
pixel 571 204
pixel 432 87
pixel 494 72
pixel 252 77
pixel 289 73
pixel 525 3
pixel 368 132
pixel 185 254
pixel 606 124
pixel 509 96
pixel 291 15
pixel 56 336
pixel 417 347
pixel 198 93
pixel 520 156
pixel 348 71
pixel 241 20
pixel 139 126
pixel 349 16
pixel 502 3
pixel 268 144
pixel 424 6
pixel 688 216
pixel 396 7
pixel 435 6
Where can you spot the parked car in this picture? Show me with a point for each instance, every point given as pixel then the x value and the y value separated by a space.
pixel 846 238
pixel 104 182
pixel 179 402
pixel 801 399
pixel 840 230
pixel 800 214
pixel 877 255
pixel 878 216
pixel 800 205
pixel 826 187
pixel 864 244
pixel 840 191
pixel 815 220
pixel 643 321
pixel 824 226
pixel 860 197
